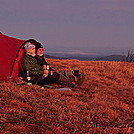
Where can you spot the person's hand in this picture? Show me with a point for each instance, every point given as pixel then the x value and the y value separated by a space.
pixel 45 73
pixel 44 67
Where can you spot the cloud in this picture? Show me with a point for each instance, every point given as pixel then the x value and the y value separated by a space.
pixel 76 52
pixel 120 5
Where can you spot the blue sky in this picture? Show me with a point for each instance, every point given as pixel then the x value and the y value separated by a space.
pixel 71 26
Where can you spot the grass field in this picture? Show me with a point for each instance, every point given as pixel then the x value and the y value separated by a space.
pixel 104 103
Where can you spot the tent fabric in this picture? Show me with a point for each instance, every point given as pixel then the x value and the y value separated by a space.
pixel 17 64
pixel 9 48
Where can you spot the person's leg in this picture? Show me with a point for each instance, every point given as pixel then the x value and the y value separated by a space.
pixel 66 79
pixel 51 79
pixel 37 80
pixel 70 80
pixel 54 78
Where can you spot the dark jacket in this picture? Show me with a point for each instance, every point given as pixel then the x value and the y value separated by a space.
pixel 41 60
pixel 30 64
pixel 54 78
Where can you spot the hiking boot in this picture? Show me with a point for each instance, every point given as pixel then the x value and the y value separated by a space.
pixel 80 79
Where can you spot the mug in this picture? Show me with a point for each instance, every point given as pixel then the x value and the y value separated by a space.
pixel 47 67
pixel 51 72
pixel 75 72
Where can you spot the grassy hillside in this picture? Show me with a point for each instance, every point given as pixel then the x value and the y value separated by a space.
pixel 102 104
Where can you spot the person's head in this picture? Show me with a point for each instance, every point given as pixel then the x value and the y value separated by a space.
pixel 39 49
pixel 30 49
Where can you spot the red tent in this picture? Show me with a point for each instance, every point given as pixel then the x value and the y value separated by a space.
pixel 9 47
pixel 11 53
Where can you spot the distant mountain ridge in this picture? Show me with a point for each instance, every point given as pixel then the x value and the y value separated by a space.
pixel 53 57
pixel 111 58
pixel 88 57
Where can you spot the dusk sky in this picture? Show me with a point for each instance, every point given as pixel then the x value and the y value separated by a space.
pixel 71 26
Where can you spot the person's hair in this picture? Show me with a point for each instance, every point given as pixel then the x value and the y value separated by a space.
pixel 37 46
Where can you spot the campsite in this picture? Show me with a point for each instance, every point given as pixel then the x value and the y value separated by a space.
pixel 66 66
pixel 102 104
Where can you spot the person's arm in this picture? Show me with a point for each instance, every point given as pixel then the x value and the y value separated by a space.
pixel 32 66
pixel 46 63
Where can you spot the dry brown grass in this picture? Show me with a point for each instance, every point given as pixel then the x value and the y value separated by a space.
pixel 102 104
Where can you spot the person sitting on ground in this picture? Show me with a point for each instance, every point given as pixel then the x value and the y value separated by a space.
pixel 29 63
pixel 59 77
pixel 52 77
